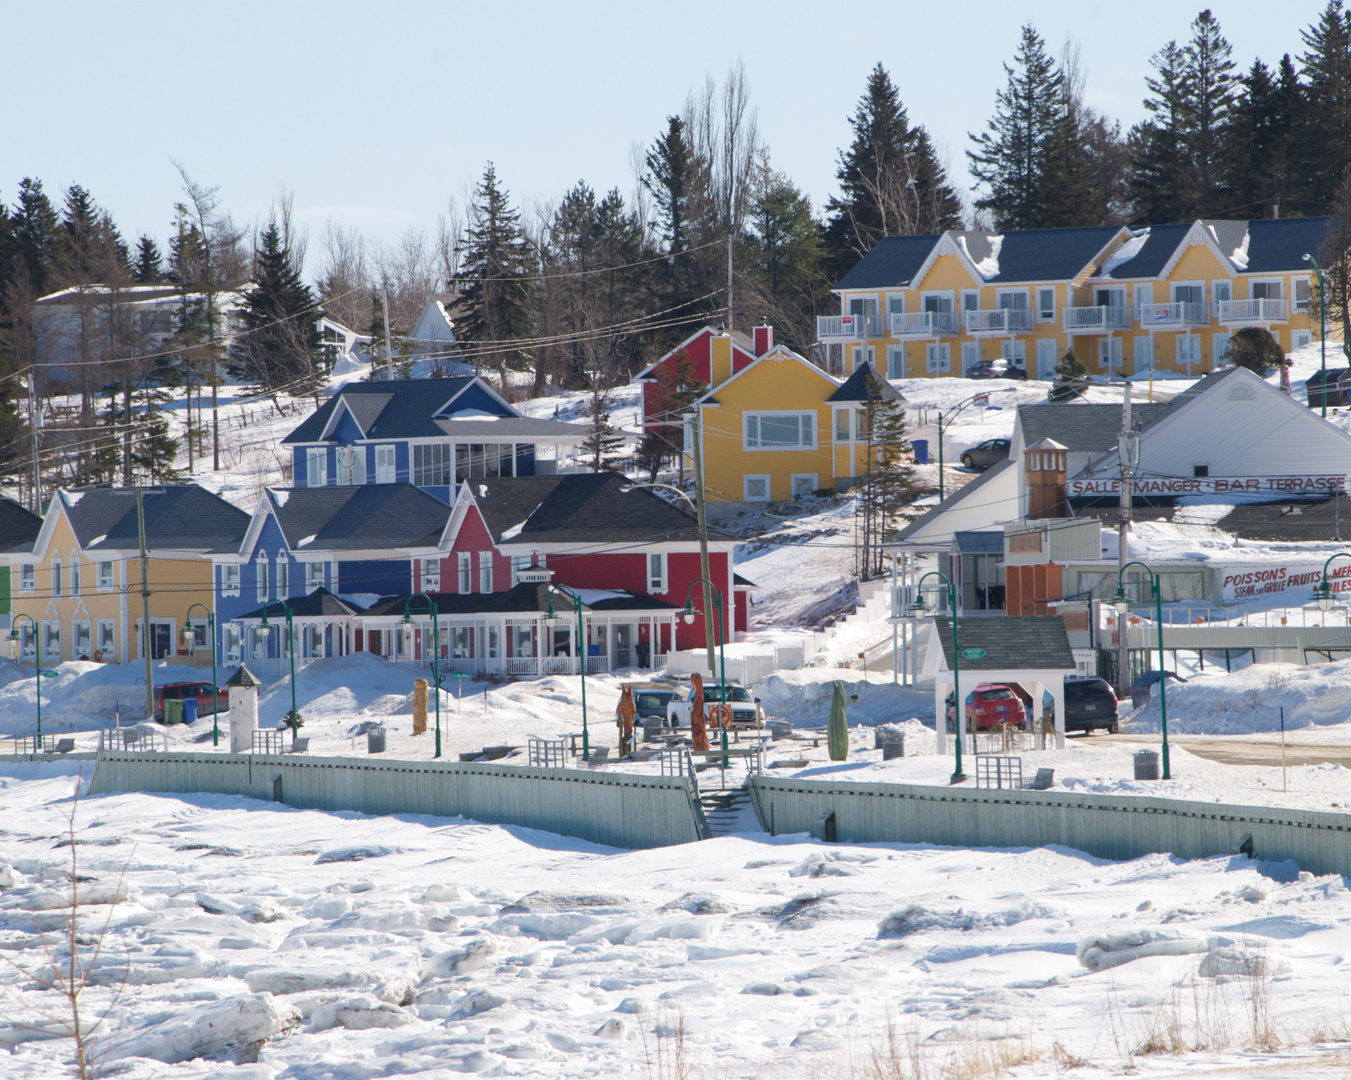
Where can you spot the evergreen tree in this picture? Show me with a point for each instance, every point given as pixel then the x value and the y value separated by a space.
pixel 603 440
pixel 1210 79
pixel 1254 348
pixel 1020 156
pixel 785 259
pixel 1326 149
pixel 888 484
pixel 494 303
pixel 1334 256
pixel 149 263
pixel 1159 175
pixel 78 239
pixel 280 342
pixel 891 181
pixel 673 178
pixel 35 234
pixel 1071 378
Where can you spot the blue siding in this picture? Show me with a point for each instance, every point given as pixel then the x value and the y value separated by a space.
pixel 346 432
pixel 403 464
pixel 386 577
pixel 525 459
pixel 476 397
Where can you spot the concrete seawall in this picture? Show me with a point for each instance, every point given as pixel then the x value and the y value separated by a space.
pixel 1108 826
pixel 617 809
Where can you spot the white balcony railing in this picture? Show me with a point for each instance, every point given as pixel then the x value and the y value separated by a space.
pixel 998 321
pixel 1168 315
pixel 1097 319
pixel 1253 311
pixel 848 327
pixel 923 323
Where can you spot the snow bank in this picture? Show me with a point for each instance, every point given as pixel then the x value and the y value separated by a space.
pixel 210 1030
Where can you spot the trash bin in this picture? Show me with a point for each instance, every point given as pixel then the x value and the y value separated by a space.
pixel 894 749
pixel 173 712
pixel 780 729
pixel 1146 764
pixel 375 740
pixel 189 710
pixel 921 448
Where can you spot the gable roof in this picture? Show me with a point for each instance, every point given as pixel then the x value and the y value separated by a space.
pixel 1281 244
pixel 865 384
pixel 363 517
pixel 893 261
pixel 528 596
pixel 960 495
pixel 1083 427
pixel 1259 246
pixel 183 517
pixel 580 508
pixel 19 527
pixel 319 604
pixel 1033 642
pixel 740 342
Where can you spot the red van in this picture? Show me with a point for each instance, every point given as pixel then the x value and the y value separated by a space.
pixel 207 703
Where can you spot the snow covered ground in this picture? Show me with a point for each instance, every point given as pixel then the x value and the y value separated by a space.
pixel 301 944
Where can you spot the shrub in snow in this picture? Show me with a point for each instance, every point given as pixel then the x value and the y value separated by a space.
pixel 360 1013
pixel 211 1030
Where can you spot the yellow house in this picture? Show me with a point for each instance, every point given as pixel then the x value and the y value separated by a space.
pixel 1126 302
pixel 781 428
pixel 78 591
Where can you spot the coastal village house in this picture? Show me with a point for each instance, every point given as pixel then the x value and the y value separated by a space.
pixel 1164 298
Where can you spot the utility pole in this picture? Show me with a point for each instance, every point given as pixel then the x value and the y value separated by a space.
pixel 389 355
pixel 1125 453
pixel 34 421
pixel 703 537
pixel 145 606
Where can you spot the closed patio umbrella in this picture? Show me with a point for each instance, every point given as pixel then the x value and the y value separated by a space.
pixel 698 726
pixel 837 731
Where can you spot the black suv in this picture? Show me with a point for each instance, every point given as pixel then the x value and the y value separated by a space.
pixel 1089 704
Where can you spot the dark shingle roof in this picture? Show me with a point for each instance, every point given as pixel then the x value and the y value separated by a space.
pixel 318 604
pixel 893 261
pixel 1296 521
pixel 18 527
pixel 183 517
pixel 406 407
pixel 581 508
pixel 964 492
pixel 1034 642
pixel 525 597
pixel 1082 427
pixel 1280 245
pixel 864 384
pixel 1157 249
pixel 1049 254
pixel 524 428
pixel 360 518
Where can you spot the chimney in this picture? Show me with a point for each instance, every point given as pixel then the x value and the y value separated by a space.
pixel 1046 469
pixel 764 339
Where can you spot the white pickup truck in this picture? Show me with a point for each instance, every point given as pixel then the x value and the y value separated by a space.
pixel 746 710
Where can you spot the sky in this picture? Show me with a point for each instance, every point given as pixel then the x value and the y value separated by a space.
pixel 374 115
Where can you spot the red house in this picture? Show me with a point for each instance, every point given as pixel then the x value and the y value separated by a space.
pixel 710 356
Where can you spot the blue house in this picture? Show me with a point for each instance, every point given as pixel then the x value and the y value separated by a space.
pixel 323 553
pixel 432 433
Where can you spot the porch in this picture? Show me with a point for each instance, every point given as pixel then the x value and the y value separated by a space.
pixel 848 327
pixel 1096 320
pixel 1173 316
pixel 999 321
pixel 922 324
pixel 1253 312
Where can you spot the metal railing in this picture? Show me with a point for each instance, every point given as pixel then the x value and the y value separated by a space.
pixel 1097 318
pixel 994 771
pixel 1253 311
pixel 851 327
pixel 679 762
pixel 269 741
pixel 132 740
pixel 923 323
pixel 547 753
pixel 1165 315
pixel 999 320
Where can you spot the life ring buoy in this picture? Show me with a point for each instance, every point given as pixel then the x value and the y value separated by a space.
pixel 720 715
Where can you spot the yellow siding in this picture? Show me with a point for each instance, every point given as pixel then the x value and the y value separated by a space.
pixel 175 584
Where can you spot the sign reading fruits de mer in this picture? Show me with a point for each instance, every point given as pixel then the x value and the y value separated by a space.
pixel 1210 485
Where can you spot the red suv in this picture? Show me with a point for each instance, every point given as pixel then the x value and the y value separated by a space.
pixel 991 706
pixel 178 691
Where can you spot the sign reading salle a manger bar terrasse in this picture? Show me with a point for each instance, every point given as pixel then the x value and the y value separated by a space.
pixel 1274 486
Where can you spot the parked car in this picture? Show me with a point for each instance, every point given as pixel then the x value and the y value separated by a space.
pixel 746 710
pixel 996 369
pixel 1089 704
pixel 982 456
pixel 652 702
pixel 1144 685
pixel 207 703
pixel 991 705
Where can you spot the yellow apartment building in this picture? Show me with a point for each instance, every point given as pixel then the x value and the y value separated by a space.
pixel 1163 298
pixel 77 592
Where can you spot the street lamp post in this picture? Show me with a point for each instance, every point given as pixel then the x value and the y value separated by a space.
pixel 982 398
pixel 1323 596
pixel 1122 603
pixel 919 608
pixel 188 634
pixel 688 616
pixel 1323 326
pixel 37 660
pixel 291 648
pixel 551 617
pixel 436 654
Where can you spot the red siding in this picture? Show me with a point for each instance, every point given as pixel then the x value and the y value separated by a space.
pixel 699 352
pixel 474 537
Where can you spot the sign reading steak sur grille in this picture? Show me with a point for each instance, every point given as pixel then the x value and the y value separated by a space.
pixel 1274 486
